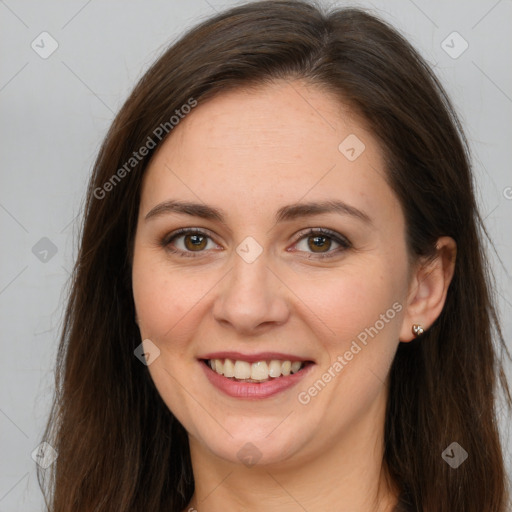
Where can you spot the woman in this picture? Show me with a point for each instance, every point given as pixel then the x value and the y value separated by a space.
pixel 281 299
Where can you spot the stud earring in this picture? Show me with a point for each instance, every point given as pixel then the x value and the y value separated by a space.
pixel 417 329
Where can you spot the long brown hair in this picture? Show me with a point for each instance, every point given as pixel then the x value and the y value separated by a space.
pixel 119 447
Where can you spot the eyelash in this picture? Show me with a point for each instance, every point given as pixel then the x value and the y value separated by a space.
pixel 341 240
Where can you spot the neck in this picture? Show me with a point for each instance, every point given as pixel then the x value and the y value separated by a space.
pixel 348 475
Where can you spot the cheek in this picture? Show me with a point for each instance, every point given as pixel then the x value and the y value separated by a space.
pixel 152 291
pixel 165 299
pixel 351 299
pixel 359 311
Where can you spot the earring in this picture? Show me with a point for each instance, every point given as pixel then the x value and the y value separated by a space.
pixel 417 329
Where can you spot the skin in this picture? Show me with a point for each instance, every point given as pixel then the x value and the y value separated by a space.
pixel 249 153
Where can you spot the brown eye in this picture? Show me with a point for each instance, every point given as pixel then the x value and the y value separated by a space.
pixel 319 243
pixel 189 242
pixel 195 242
pixel 322 242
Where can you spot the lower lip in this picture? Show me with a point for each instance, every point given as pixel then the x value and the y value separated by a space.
pixel 254 390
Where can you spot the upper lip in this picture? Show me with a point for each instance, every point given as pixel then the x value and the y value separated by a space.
pixel 252 358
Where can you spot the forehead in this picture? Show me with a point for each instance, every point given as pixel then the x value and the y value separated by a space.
pixel 279 143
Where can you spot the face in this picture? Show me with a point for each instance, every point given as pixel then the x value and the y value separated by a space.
pixel 270 246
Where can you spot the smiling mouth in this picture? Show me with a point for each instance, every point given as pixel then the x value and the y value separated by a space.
pixel 257 372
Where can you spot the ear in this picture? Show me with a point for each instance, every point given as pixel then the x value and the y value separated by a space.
pixel 428 288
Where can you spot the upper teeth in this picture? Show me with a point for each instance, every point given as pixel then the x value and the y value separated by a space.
pixel 260 370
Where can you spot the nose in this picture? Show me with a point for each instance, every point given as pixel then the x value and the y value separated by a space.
pixel 251 299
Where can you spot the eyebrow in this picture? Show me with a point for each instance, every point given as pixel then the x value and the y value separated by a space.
pixel 286 213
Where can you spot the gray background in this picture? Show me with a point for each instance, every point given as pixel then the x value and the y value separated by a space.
pixel 54 113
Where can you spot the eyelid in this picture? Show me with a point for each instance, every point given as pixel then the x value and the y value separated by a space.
pixel 167 239
pixel 338 237
pixel 335 236
pixel 343 241
pixel 187 231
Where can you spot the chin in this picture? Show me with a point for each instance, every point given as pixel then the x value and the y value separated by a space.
pixel 255 442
